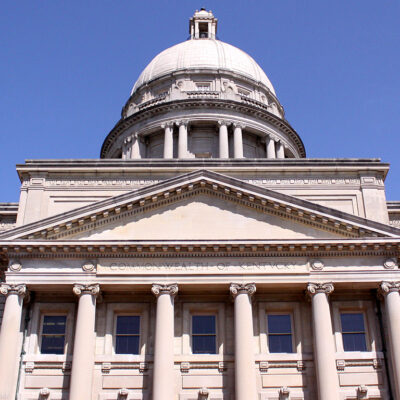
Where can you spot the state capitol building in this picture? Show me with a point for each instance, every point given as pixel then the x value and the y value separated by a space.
pixel 203 256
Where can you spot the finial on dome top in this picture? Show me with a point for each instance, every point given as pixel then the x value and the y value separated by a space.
pixel 203 25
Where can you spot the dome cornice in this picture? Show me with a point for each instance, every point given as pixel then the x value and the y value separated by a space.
pixel 252 109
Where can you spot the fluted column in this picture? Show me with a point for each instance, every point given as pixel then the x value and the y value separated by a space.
pixel 280 150
pixel 163 371
pixel 168 139
pixel 245 374
pixel 10 338
pixel 238 140
pixel 84 344
pixel 223 139
pixel 324 345
pixel 270 147
pixel 183 139
pixel 390 290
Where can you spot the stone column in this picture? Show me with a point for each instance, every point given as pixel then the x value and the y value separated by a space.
pixel 163 370
pixel 245 373
pixel 168 139
pixel 135 150
pixel 324 345
pixel 238 140
pixel 84 343
pixel 10 338
pixel 223 139
pixel 390 290
pixel 280 150
pixel 270 147
pixel 183 139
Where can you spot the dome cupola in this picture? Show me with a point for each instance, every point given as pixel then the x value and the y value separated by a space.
pixel 190 92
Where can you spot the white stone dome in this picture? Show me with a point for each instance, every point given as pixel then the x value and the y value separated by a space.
pixel 205 54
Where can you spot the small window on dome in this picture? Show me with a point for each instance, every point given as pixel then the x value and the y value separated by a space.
pixel 203 30
pixel 203 86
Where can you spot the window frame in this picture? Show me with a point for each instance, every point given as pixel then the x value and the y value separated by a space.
pixel 124 314
pixel 290 314
pixel 195 314
pixel 40 339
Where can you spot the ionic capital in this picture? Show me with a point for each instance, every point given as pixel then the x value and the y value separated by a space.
pixel 388 287
pixel 223 123
pixel 80 289
pixel 7 289
pixel 168 124
pixel 182 122
pixel 159 289
pixel 242 288
pixel 314 288
pixel 240 125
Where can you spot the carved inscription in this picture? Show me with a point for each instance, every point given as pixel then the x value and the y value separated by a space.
pixel 204 266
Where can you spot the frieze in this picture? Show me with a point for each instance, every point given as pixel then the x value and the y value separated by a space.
pixel 5 226
pixel 117 267
pixel 137 183
pixel 304 181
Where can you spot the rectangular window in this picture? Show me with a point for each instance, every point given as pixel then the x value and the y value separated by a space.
pixel 127 334
pixel 279 333
pixel 53 334
pixel 353 332
pixel 204 338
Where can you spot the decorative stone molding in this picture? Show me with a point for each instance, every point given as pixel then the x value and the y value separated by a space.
pixel 340 365
pixel 29 367
pixel 301 365
pixel 240 125
pixel 44 393
pixel 388 287
pixel 314 288
pixel 143 366
pixel 264 365
pixel 93 289
pixel 224 122
pixel 284 392
pixel 123 393
pixel 168 124
pixel 239 288
pixel 317 265
pixel 181 122
pixel 185 367
pixel 203 394
pixel 159 289
pixel 362 392
pixel 89 266
pixel 15 265
pixel 7 289
pixel 105 368
pixel 390 263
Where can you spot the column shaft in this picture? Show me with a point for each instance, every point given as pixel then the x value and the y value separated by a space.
pixel 280 150
pixel 270 147
pixel 324 346
pixel 245 374
pixel 168 141
pixel 84 344
pixel 163 370
pixel 237 142
pixel 223 140
pixel 10 339
pixel 183 141
pixel 392 304
pixel 135 151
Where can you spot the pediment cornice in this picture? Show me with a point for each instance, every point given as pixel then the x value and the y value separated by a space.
pixel 120 207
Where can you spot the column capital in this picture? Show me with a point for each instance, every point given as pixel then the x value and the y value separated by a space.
pixel 92 288
pixel 158 289
pixel 182 122
pixel 387 287
pixel 223 122
pixel 314 288
pixel 240 125
pixel 168 124
pixel 7 289
pixel 238 288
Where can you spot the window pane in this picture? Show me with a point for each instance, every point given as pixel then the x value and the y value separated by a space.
pixel 203 324
pixel 52 344
pixel 127 345
pixel 54 324
pixel 354 342
pixel 279 323
pixel 352 322
pixel 128 325
pixel 280 343
pixel 204 344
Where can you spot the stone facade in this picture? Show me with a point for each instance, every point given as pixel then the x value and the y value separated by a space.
pixel 246 271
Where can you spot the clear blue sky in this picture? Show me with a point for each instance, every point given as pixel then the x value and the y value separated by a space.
pixel 67 67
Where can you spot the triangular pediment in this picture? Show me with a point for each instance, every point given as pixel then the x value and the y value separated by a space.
pixel 201 205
